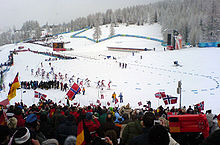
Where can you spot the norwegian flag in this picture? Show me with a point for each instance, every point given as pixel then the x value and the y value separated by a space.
pixel 98 101
pixel 75 89
pixel 140 103
pixel 116 100
pixel 160 95
pixel 173 100
pixel 200 105
pixel 170 100
pixel 39 95
pixel 108 103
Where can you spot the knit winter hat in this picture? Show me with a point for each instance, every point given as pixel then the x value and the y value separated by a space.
pixel 12 122
pixel 31 118
pixel 21 136
pixel 70 140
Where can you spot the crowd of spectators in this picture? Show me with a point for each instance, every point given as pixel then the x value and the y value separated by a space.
pixel 45 85
pixel 50 124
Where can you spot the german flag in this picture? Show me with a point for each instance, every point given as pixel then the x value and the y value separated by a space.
pixel 80 139
pixel 13 88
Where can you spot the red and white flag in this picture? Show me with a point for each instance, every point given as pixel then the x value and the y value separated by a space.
pixel 98 101
pixel 200 105
pixel 4 102
pixel 160 95
pixel 75 89
pixel 116 100
pixel 39 95
pixel 140 103
pixel 170 100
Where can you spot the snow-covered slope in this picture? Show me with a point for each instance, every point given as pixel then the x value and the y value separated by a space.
pixel 141 79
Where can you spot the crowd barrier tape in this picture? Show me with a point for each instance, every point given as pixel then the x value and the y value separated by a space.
pixel 209 44
pixel 113 36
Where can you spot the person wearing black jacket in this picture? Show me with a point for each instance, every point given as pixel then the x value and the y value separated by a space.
pixel 68 127
pixel 148 122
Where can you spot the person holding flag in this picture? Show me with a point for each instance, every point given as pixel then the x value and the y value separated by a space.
pixel 15 85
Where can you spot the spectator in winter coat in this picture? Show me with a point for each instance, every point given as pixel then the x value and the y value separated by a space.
pixel 148 122
pixel 132 129
pixel 189 110
pixel 18 115
pixel 4 135
pixel 92 124
pixel 158 135
pixel 12 124
pixel 65 129
pixel 125 110
pixel 45 125
pixel 110 128
pixel 212 139
pixel 22 137
pixel 210 117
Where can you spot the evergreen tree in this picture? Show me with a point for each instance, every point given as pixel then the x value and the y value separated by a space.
pixel 97 32
pixel 112 30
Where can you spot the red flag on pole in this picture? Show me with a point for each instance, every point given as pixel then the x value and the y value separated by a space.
pixel 39 95
pixel 200 105
pixel 75 89
pixel 116 100
pixel 140 103
pixel 4 102
pixel 160 95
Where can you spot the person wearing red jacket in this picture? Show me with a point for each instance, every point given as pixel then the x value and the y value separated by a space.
pixel 19 117
pixel 92 124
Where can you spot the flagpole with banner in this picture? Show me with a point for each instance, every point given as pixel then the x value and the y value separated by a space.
pixel 14 86
pixel 20 88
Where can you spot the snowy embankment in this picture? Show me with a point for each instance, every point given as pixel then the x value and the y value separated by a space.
pixel 141 79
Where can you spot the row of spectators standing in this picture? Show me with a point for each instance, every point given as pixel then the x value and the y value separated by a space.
pixel 44 85
pixel 9 62
pixel 49 123
pixel 53 54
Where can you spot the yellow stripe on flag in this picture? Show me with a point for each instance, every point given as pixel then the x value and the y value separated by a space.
pixel 80 139
pixel 13 88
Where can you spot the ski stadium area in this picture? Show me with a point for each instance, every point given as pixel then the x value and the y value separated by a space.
pixel 147 72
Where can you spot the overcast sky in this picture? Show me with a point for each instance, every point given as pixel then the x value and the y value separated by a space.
pixel 16 12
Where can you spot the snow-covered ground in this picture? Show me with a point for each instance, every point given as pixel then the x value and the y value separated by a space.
pixel 143 78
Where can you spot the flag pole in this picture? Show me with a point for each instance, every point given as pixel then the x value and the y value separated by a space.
pixel 21 88
pixel 21 95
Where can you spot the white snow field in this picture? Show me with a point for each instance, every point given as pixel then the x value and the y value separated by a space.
pixel 200 71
